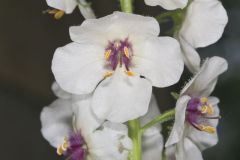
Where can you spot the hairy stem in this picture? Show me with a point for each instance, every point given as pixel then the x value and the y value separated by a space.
pixel 169 115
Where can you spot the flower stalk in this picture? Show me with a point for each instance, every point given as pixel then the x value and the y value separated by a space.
pixel 169 115
pixel 126 6
pixel 134 131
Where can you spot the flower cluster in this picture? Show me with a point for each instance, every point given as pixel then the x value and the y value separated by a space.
pixel 106 109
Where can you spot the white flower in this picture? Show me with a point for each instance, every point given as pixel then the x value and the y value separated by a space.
pixel 152 140
pixel 59 92
pixel 203 25
pixel 196 114
pixel 167 4
pixel 121 57
pixel 83 137
pixel 68 6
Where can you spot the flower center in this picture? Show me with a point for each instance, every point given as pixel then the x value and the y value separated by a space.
pixel 119 52
pixel 199 110
pixel 73 147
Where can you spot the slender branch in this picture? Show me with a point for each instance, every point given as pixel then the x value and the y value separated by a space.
pixel 169 115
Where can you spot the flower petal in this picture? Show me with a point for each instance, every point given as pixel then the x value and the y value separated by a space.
pixel 187 150
pixel 202 139
pixel 178 128
pixel 167 4
pixel 205 80
pixel 190 56
pixel 159 60
pixel 118 143
pixel 86 10
pixel 78 68
pixel 204 22
pixel 205 140
pixel 118 25
pixel 121 98
pixel 65 5
pixel 85 121
pixel 59 92
pixel 152 144
pixel 56 121
pixel 153 111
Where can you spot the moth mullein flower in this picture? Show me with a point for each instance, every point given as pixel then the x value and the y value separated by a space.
pixel 166 4
pixel 119 57
pixel 67 6
pixel 197 114
pixel 77 134
pixel 203 24
pixel 152 139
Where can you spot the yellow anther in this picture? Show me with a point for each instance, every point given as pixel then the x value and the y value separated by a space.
pixel 129 73
pixel 208 129
pixel 204 109
pixel 59 14
pixel 126 52
pixel 204 99
pixel 108 74
pixel 207 109
pixel 210 110
pixel 61 149
pixel 107 54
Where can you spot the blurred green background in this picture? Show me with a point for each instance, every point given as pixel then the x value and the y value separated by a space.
pixel 28 39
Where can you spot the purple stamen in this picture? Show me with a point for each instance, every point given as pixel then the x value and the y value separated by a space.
pixel 194 115
pixel 118 55
pixel 76 147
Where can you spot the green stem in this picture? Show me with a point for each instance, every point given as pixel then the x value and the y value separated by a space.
pixel 169 115
pixel 126 6
pixel 134 130
pixel 168 14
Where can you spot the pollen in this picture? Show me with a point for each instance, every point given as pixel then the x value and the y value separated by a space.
pixel 129 73
pixel 126 52
pixel 107 54
pixel 59 14
pixel 208 129
pixel 108 74
pixel 62 148
pixel 204 100
pixel 207 109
